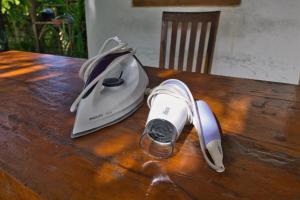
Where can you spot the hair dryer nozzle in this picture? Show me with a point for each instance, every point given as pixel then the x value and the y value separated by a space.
pixel 158 138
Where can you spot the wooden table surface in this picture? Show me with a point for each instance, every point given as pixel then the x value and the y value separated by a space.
pixel 39 160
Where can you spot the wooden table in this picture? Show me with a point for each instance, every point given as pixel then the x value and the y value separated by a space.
pixel 39 160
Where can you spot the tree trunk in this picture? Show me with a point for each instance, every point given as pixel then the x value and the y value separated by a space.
pixel 32 12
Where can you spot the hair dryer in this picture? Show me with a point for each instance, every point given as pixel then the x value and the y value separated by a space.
pixel 172 106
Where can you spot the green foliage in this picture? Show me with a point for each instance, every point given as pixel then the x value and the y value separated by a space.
pixel 79 29
pixel 8 4
pixel 55 39
pixel 17 24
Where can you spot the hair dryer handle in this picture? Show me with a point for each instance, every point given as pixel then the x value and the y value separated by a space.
pixel 211 134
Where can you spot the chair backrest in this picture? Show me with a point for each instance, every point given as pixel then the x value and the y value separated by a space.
pixel 196 35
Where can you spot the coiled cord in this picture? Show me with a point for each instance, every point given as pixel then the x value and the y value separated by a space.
pixel 91 63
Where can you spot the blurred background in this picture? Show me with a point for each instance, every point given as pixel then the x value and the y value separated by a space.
pixel 46 26
pixel 258 39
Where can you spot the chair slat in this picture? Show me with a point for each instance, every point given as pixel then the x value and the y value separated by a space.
pixel 211 45
pixel 191 50
pixel 184 27
pixel 173 44
pixel 163 44
pixel 201 47
pixel 185 18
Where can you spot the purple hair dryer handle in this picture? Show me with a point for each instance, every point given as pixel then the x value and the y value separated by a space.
pixel 211 134
pixel 209 124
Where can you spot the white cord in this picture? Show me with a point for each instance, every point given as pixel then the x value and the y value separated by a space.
pixel 91 63
pixel 193 114
pixel 171 91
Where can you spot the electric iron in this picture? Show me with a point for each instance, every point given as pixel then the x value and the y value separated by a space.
pixel 172 106
pixel 115 83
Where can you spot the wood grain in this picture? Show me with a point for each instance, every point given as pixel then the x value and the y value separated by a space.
pixel 154 3
pixel 261 140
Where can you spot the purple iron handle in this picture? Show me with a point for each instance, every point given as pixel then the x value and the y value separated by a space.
pixel 211 134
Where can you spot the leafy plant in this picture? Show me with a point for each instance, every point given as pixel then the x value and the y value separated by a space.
pixel 3 38
pixel 58 38
pixel 17 24
pixel 7 4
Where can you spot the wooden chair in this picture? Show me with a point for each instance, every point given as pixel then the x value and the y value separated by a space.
pixel 180 23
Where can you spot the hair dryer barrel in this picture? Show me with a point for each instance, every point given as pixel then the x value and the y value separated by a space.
pixel 167 117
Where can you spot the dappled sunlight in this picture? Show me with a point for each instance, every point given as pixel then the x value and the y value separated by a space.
pixel 167 73
pixel 113 145
pixel 231 112
pixel 186 154
pixel 187 160
pixel 121 163
pixel 44 77
pixel 127 160
pixel 17 59
pixel 19 72
pixel 3 67
pixel 215 104
pixel 109 172
pixel 235 117
pixel 11 65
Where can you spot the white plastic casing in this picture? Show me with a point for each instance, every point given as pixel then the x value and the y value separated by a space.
pixel 169 108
